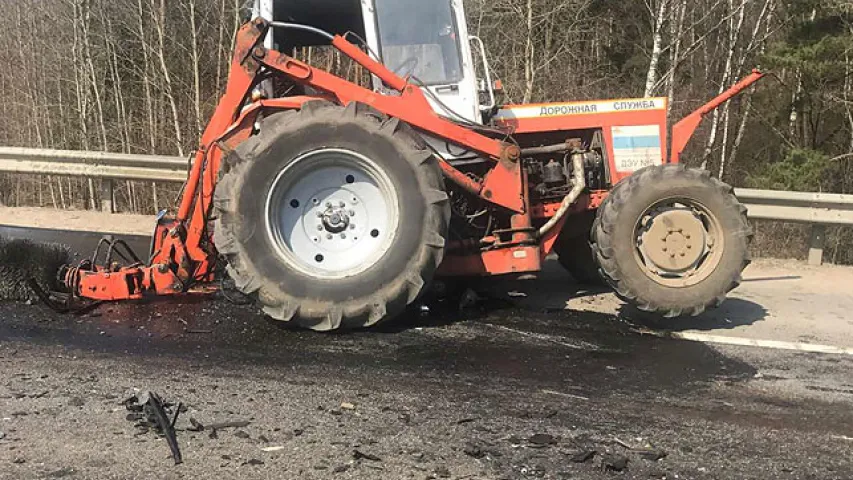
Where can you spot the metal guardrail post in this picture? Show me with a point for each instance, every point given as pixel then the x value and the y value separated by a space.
pixel 816 243
pixel 107 196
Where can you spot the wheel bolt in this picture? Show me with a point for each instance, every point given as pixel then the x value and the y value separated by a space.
pixel 683 254
pixel 664 249
pixel 352 226
pixel 689 246
pixel 351 213
pixel 329 236
pixel 671 255
pixel 328 204
pixel 343 236
pixel 320 228
pixel 319 214
pixel 342 204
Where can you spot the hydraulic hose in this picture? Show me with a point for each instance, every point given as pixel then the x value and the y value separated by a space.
pixel 578 186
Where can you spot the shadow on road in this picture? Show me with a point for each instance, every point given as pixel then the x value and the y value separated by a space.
pixel 733 313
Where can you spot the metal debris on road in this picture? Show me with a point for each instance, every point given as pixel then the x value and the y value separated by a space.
pixel 154 413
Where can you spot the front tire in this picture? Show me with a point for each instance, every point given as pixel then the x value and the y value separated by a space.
pixel 574 250
pixel 332 217
pixel 672 241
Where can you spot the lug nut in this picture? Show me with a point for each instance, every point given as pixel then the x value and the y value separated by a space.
pixel 328 204
pixel 320 228
pixel 683 254
pixel 319 214
pixel 352 226
pixel 329 236
pixel 342 204
pixel 664 249
pixel 343 236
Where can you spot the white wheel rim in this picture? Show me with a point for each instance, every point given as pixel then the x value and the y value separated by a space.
pixel 332 213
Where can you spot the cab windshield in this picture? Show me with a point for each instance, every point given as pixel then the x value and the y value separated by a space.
pixel 420 37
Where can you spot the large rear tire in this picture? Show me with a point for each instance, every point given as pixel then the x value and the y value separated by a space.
pixel 332 217
pixel 672 241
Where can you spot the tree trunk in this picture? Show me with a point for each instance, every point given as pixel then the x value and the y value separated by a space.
pixel 657 39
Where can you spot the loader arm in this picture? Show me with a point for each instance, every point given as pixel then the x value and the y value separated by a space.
pixel 184 253
pixel 683 131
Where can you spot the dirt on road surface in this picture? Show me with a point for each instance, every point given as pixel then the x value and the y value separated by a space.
pixel 500 392
pixel 540 379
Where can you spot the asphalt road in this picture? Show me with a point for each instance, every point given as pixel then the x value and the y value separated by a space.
pixel 511 388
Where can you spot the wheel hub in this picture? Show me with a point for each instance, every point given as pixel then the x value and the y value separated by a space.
pixel 332 213
pixel 676 240
pixel 336 220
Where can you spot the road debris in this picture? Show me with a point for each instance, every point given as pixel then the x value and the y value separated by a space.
pixel 272 449
pixel 347 406
pixel 652 455
pixel 583 456
pixel 2 435
pixel 612 462
pixel 254 462
pixel 563 394
pixel 541 440
pixel 152 412
pixel 358 455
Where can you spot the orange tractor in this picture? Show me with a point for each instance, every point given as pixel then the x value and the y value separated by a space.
pixel 334 204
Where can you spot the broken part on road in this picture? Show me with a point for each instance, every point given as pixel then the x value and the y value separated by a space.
pixel 151 412
pixel 336 205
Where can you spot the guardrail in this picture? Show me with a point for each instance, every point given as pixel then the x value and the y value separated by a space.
pixel 817 209
pixel 101 165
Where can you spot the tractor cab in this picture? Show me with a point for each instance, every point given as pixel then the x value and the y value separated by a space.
pixel 425 40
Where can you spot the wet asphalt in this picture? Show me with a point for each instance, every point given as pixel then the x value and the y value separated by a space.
pixel 496 391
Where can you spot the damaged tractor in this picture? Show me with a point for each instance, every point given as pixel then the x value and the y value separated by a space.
pixel 334 204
